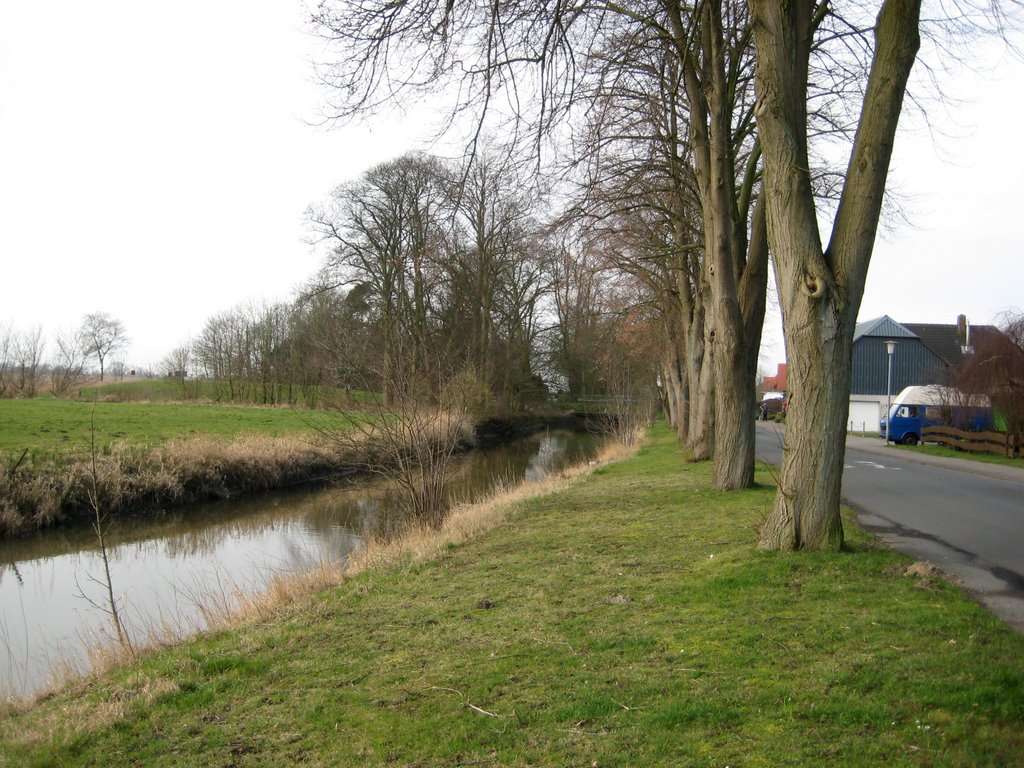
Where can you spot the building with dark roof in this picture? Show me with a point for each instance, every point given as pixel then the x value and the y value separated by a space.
pixel 925 353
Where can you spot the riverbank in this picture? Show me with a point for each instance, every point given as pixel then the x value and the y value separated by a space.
pixel 624 619
pixel 148 456
pixel 155 456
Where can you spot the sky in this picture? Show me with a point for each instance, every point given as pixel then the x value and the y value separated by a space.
pixel 156 161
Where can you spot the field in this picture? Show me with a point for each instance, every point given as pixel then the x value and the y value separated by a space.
pixel 240 393
pixel 626 619
pixel 49 427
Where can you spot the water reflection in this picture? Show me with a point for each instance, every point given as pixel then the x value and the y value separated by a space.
pixel 164 568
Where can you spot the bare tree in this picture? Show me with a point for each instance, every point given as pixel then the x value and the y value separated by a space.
pixel 821 286
pixel 101 527
pixel 629 361
pixel 27 350
pixel 389 230
pixel 332 336
pixel 118 368
pixel 176 366
pixel 637 194
pixel 102 335
pixel 544 55
pixel 996 370
pixel 68 364
pixel 493 276
pixel 7 340
pixel 578 297
pixel 217 350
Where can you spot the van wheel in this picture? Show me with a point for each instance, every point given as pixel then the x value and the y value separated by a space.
pixel 910 439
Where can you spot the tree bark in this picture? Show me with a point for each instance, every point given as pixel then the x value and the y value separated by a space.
pixel 714 147
pixel 700 442
pixel 820 290
pixel 674 382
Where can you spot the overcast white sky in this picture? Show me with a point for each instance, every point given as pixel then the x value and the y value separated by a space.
pixel 155 163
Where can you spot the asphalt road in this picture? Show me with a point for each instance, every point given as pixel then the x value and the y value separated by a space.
pixel 965 517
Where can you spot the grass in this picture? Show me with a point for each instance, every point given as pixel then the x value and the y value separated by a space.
pixel 49 427
pixel 151 390
pixel 985 458
pixel 204 390
pixel 624 619
pixel 153 455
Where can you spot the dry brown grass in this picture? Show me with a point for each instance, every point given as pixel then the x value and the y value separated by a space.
pixel 132 478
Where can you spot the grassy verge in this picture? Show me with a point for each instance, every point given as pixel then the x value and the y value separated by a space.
pixel 985 458
pixel 625 619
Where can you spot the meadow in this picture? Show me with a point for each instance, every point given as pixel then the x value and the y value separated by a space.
pixel 50 427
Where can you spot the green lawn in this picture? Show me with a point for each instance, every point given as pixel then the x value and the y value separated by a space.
pixel 627 620
pixel 46 426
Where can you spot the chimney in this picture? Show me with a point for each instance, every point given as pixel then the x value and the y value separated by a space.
pixel 963 332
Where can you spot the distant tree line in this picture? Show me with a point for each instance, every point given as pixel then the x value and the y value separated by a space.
pixel 436 271
pixel 29 365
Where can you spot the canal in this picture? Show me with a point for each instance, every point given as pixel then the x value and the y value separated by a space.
pixel 167 570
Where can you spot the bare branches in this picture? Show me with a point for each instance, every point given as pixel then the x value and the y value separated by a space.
pixel 520 58
pixel 102 335
pixel 414 434
pixel 101 527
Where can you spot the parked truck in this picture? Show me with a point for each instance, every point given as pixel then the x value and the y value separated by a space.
pixel 923 406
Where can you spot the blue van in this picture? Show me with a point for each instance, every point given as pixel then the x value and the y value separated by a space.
pixel 918 407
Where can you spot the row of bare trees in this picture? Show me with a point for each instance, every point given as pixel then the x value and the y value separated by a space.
pixel 452 266
pixel 692 136
pixel 28 365
pixel 248 352
pixel 435 268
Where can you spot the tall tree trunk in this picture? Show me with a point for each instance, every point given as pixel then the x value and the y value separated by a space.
pixel 726 258
pixel 806 510
pixel 736 349
pixel 687 296
pixel 820 290
pixel 700 443
pixel 676 399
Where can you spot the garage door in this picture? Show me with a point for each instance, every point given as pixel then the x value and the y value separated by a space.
pixel 864 416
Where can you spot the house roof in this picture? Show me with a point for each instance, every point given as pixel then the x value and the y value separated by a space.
pixel 947 341
pixel 883 326
pixel 779 381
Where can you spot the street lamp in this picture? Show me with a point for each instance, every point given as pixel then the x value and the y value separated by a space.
pixel 890 347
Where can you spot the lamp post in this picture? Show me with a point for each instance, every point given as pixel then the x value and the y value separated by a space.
pixel 890 347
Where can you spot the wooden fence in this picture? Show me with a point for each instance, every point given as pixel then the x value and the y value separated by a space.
pixel 999 443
